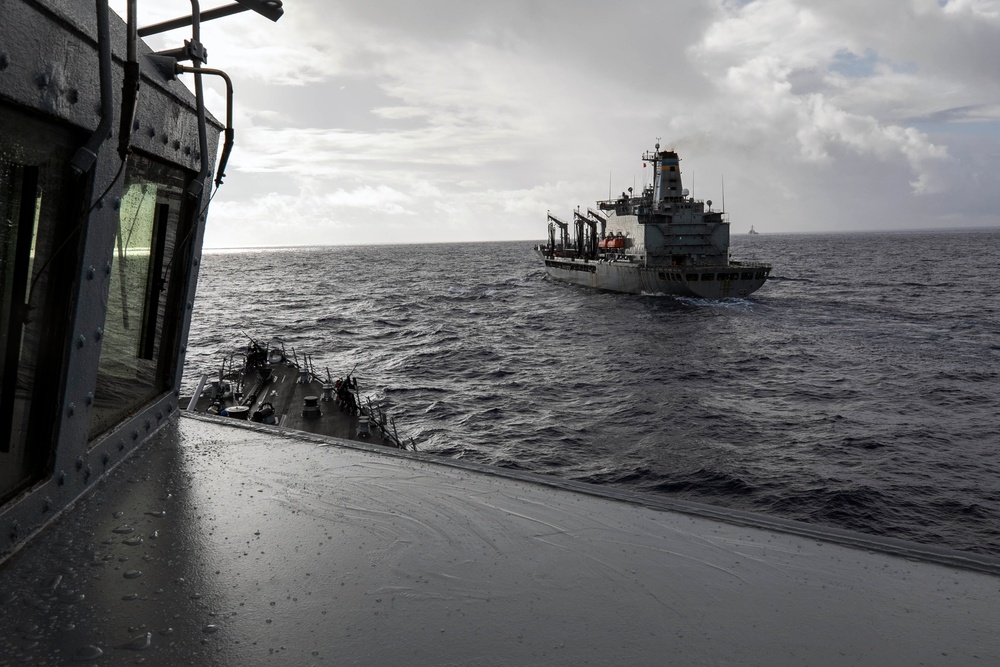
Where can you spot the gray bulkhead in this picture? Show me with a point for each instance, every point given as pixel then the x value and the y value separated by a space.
pixel 97 307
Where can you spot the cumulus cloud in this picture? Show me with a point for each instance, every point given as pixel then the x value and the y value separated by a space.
pixel 450 120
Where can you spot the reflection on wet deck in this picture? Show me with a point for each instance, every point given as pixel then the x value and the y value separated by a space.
pixel 233 544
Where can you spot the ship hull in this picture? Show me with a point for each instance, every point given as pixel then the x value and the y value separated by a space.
pixel 705 282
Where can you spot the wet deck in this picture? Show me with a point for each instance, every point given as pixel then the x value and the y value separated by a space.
pixel 238 545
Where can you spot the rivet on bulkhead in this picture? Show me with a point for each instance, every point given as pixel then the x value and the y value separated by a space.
pixel 121 446
pixel 79 463
pixel 105 458
pixel 81 340
pixel 151 131
pixel 15 528
pixel 42 79
pixel 90 273
pixel 61 479
pixel 71 410
pixel 135 435
pixel 177 145
pixel 107 268
pixel 86 474
pixel 136 124
pixel 89 398
pixel 159 415
pixel 99 333
pixel 4 61
pixel 117 203
pixel 46 505
pixel 72 96
pixel 148 424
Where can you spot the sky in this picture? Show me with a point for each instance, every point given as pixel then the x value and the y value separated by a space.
pixel 392 121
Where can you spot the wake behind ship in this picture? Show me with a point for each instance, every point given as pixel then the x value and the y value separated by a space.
pixel 661 242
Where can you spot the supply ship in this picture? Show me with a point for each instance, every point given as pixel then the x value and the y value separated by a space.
pixel 662 241
pixel 134 531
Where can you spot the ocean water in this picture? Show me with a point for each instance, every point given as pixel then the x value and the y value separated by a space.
pixel 858 388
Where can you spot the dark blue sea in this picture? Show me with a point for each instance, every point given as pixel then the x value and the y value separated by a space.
pixel 858 388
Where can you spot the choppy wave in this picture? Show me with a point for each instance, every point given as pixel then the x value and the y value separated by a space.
pixel 856 389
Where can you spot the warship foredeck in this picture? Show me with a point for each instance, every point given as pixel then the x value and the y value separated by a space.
pixel 271 389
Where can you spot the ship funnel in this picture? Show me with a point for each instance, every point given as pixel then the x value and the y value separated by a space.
pixel 667 177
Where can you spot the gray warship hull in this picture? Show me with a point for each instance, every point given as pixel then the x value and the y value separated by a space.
pixel 704 282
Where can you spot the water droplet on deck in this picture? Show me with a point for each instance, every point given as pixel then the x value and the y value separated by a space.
pixel 89 652
pixel 123 529
pixel 132 574
pixel 130 597
pixel 27 628
pixel 133 541
pixel 168 631
pixel 140 642
pixel 210 629
pixel 154 534
pixel 71 597
pixel 118 515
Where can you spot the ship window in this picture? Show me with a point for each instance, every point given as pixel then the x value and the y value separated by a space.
pixel 692 276
pixel 38 246
pixel 747 275
pixel 136 354
pixel 708 276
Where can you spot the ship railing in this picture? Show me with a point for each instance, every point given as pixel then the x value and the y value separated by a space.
pixel 750 265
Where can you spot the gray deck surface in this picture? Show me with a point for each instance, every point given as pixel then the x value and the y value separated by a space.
pixel 229 545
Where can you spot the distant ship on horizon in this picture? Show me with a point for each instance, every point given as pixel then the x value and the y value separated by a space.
pixel 752 231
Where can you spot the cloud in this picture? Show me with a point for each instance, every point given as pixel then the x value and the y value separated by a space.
pixel 450 120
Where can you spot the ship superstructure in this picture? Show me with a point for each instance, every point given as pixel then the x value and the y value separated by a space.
pixel 662 241
pixel 106 172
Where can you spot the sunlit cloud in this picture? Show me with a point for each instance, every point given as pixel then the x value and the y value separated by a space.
pixel 447 120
